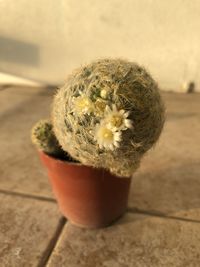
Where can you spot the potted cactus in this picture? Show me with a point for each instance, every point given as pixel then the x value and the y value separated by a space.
pixel 104 119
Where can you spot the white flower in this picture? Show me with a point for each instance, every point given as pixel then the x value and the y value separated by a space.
pixel 82 105
pixel 117 120
pixel 106 137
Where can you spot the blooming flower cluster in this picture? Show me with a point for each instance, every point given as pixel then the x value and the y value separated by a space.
pixel 109 132
pixel 111 120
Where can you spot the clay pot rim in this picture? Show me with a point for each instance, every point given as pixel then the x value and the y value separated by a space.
pixel 62 160
pixel 77 164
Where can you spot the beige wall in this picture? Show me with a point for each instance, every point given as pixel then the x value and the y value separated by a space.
pixel 45 39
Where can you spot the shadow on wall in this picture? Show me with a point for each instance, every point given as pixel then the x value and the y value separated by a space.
pixel 20 52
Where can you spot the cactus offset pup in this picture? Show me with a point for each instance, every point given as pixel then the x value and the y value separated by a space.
pixel 43 137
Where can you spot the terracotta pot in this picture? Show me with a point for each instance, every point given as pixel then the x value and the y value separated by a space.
pixel 88 197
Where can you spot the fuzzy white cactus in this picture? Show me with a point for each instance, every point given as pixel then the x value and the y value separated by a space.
pixel 108 114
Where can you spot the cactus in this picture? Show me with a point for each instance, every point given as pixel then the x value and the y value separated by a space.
pixel 43 137
pixel 108 114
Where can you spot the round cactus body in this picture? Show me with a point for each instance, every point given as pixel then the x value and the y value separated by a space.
pixel 108 114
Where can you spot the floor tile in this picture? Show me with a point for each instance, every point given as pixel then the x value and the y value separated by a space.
pixel 139 241
pixel 26 229
pixel 20 168
pixel 168 180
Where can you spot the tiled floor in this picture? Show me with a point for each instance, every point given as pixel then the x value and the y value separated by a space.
pixel 161 226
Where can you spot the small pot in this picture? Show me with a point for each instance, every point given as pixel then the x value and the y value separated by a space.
pixel 88 197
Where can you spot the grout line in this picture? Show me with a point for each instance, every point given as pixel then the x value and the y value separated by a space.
pixel 48 251
pixel 131 210
pixel 45 90
pixel 4 87
pixel 160 215
pixel 11 193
